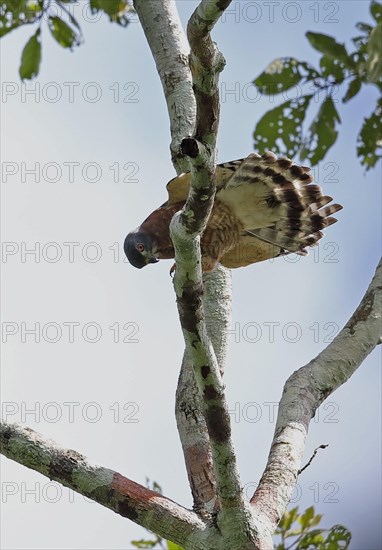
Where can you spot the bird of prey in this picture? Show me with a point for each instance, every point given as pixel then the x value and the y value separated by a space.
pixel 264 207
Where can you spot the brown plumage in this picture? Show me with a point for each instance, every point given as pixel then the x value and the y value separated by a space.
pixel 264 207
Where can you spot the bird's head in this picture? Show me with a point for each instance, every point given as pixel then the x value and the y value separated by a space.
pixel 138 249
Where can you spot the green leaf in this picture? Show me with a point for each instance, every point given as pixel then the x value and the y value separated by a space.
pixel 316 520
pixel 173 546
pixel 376 10
pixel 144 543
pixel 280 75
pixel 353 89
pixel 64 35
pixel 329 47
pixel 34 6
pixel 314 537
pixel 305 519
pixel 70 16
pixel 31 57
pixel 281 128
pixel 364 27
pixel 322 133
pixel 332 67
pixel 14 14
pixel 369 142
pixel 117 10
pixel 288 519
pixel 360 43
pixel 337 534
pixel 374 62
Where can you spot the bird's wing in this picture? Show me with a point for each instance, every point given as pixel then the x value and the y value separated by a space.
pixel 249 250
pixel 179 186
pixel 275 201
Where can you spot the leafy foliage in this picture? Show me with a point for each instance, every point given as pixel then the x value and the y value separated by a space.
pixel 281 129
pixel 65 35
pixel 13 14
pixel 322 132
pixel 283 74
pixel 61 22
pixel 282 126
pixel 31 57
pixel 374 60
pixel 369 145
pixel 117 10
pixel 301 532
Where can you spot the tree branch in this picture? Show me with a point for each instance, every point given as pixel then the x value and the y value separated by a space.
pixel 195 441
pixel 125 497
pixel 170 50
pixel 165 36
pixel 189 410
pixel 215 483
pixel 114 491
pixel 324 446
pixel 304 392
pixel 206 63
pixel 186 227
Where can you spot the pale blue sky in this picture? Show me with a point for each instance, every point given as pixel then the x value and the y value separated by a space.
pixel 308 299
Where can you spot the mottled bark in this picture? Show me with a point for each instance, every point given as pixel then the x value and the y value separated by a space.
pixel 206 63
pixel 165 36
pixel 168 43
pixel 108 488
pixel 306 389
pixel 190 418
pixel 204 309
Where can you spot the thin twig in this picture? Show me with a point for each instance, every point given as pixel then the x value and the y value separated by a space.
pixel 312 457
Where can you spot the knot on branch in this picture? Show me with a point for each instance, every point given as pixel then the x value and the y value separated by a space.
pixel 190 147
pixel 220 61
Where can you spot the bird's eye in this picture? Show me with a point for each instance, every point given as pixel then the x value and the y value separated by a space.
pixel 140 247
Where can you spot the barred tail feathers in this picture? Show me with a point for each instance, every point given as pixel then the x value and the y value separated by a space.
pixel 276 201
